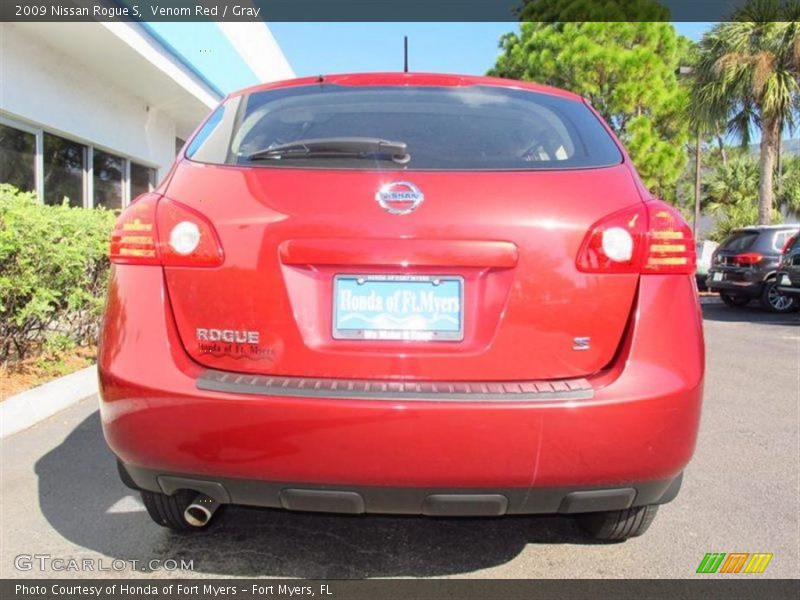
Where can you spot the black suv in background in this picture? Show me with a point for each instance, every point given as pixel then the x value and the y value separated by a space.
pixel 744 267
pixel 788 275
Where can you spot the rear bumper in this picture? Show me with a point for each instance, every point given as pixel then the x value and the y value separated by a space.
pixel 433 501
pixel 741 282
pixel 636 431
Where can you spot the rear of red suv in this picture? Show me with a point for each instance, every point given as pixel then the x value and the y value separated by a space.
pixel 403 293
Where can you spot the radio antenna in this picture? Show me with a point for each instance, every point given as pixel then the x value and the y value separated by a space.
pixel 405 54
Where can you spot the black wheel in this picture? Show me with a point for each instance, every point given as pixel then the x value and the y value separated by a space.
pixel 776 301
pixel 167 511
pixel 619 524
pixel 734 300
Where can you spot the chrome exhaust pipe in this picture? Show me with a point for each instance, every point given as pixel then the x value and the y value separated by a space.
pixel 200 511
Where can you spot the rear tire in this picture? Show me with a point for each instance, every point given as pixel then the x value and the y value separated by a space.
pixel 776 302
pixel 167 511
pixel 618 524
pixel 734 300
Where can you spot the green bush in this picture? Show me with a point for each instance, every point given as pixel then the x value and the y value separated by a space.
pixel 53 273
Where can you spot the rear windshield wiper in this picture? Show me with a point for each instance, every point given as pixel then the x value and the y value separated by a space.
pixel 340 147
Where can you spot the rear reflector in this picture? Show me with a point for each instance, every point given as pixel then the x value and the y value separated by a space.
pixel 158 231
pixel 647 238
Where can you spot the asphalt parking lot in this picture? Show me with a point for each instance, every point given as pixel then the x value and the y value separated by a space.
pixel 61 497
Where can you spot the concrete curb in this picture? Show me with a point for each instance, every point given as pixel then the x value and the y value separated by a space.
pixel 27 408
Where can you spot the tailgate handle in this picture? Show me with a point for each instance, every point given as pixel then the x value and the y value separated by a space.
pixel 401 253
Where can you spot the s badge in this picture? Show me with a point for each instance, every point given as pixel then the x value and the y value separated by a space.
pixel 582 343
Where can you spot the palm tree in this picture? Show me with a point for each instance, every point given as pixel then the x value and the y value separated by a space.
pixel 733 183
pixel 747 77
pixel 731 195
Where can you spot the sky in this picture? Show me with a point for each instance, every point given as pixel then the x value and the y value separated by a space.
pixel 465 48
pixel 318 48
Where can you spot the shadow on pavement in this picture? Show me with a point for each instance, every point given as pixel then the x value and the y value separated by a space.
pixel 748 314
pixel 83 500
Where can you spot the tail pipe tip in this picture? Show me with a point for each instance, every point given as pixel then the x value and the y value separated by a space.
pixel 200 511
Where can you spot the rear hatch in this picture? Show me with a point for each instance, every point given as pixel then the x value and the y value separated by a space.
pixel 747 251
pixel 456 264
pixel 736 256
pixel 512 238
pixel 739 242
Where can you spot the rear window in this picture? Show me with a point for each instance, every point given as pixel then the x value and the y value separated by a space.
pixel 740 241
pixel 444 128
pixel 781 238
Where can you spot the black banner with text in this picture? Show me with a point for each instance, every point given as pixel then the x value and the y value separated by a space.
pixel 374 10
pixel 735 588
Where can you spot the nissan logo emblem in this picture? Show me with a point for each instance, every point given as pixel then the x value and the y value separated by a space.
pixel 399 197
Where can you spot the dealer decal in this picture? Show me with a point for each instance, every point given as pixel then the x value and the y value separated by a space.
pixel 236 343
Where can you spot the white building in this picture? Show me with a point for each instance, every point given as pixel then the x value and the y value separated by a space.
pixel 95 112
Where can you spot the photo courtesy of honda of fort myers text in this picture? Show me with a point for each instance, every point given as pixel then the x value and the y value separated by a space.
pixel 420 299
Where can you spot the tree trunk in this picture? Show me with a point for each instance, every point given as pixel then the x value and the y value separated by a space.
pixel 770 138
pixel 697 168
pixel 722 152
pixel 779 169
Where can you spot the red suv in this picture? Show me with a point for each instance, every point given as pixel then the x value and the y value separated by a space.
pixel 403 293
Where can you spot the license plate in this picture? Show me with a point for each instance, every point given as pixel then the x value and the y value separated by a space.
pixel 785 280
pixel 717 276
pixel 398 307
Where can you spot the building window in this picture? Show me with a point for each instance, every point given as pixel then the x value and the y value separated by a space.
pixel 64 168
pixel 59 169
pixel 142 179
pixel 18 158
pixel 109 171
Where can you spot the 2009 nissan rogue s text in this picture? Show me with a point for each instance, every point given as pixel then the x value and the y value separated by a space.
pixel 403 293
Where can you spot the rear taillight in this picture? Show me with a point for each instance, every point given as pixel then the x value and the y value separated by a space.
pixel 646 238
pixel 614 244
pixel 158 231
pixel 134 239
pixel 747 260
pixel 186 238
pixel 670 247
